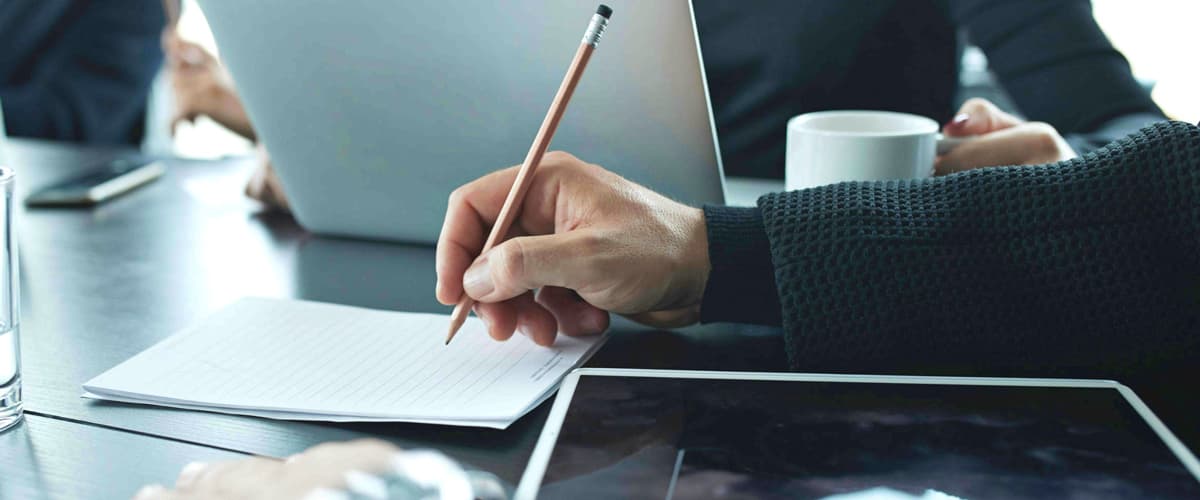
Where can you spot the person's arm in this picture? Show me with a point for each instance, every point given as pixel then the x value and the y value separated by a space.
pixel 1084 268
pixel 90 81
pixel 1081 268
pixel 202 87
pixel 1056 63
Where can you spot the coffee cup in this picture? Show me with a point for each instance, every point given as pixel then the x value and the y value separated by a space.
pixel 827 147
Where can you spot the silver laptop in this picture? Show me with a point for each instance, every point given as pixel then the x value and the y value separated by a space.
pixel 374 111
pixel 3 138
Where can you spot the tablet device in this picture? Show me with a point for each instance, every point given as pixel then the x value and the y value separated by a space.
pixel 679 434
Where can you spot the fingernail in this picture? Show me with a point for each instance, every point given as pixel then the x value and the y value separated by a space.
pixel 959 119
pixel 189 474
pixel 478 279
pixel 149 491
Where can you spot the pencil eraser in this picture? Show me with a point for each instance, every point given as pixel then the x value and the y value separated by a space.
pixel 605 11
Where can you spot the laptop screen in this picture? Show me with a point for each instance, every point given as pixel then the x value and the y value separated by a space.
pixel 631 437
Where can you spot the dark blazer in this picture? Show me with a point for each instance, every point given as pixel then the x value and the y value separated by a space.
pixel 768 60
pixel 78 70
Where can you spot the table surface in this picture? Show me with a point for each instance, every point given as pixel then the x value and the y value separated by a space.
pixel 99 285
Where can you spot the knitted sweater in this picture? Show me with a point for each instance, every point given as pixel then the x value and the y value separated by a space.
pixel 1084 268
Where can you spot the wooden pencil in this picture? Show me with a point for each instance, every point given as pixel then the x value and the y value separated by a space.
pixel 541 142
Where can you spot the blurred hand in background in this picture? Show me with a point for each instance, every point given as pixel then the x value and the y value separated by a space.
pixel 202 87
pixel 1003 139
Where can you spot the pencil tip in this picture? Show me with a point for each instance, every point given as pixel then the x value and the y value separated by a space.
pixel 455 324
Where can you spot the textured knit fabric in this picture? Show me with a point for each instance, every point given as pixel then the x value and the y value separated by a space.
pixel 740 254
pixel 769 60
pixel 1085 268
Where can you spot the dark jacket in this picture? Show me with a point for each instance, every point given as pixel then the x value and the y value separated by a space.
pixel 769 60
pixel 995 270
pixel 78 70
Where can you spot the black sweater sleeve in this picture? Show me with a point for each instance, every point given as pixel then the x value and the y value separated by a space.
pixel 741 285
pixel 1055 62
pixel 1089 267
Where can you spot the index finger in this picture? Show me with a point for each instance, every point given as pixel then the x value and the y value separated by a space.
pixel 472 209
pixel 977 117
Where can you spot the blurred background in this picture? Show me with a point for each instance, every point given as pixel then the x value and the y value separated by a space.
pixel 1157 36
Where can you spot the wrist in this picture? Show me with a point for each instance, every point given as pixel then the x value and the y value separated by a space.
pixel 696 265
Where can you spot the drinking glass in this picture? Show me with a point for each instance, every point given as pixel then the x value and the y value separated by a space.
pixel 10 359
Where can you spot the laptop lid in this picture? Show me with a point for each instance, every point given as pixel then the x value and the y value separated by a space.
pixel 373 112
pixel 3 137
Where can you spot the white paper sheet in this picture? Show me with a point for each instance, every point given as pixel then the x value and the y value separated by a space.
pixel 312 361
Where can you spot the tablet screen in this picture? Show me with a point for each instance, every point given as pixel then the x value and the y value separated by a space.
pixel 634 437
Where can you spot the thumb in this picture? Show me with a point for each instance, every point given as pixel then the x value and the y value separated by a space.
pixel 526 263
pixel 979 116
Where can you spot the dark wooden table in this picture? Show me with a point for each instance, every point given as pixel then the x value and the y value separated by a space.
pixel 99 285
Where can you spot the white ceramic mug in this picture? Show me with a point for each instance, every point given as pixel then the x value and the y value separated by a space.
pixel 826 147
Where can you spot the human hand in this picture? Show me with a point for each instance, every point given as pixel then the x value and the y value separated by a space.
pixel 322 466
pixel 582 233
pixel 201 87
pixel 264 185
pixel 1003 139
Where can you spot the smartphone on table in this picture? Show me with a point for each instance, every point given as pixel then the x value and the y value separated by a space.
pixel 109 181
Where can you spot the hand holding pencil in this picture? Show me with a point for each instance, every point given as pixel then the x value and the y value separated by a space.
pixel 587 240
pixel 541 142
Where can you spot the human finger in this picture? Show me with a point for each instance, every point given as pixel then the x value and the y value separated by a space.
pixel 575 316
pixel 979 116
pixel 1026 144
pixel 534 321
pixel 474 208
pixel 500 318
pixel 470 211
pixel 519 265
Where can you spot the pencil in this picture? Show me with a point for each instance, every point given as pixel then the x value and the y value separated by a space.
pixel 541 142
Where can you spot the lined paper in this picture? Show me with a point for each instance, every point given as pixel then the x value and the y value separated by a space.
pixel 314 361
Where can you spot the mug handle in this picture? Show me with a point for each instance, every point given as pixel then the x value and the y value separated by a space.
pixel 948 144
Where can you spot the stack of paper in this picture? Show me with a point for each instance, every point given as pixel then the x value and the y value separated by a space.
pixel 299 360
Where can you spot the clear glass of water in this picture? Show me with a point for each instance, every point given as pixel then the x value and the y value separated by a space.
pixel 10 360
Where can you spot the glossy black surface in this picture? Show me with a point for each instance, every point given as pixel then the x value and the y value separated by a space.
pixel 48 458
pixel 99 285
pixel 638 437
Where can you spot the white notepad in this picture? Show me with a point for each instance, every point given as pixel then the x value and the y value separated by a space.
pixel 299 360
